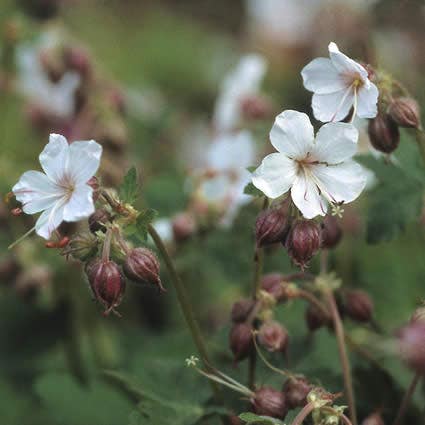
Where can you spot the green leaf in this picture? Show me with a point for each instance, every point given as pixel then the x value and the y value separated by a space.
pixel 250 189
pixel 128 190
pixel 397 198
pixel 70 404
pixel 143 220
pixel 253 419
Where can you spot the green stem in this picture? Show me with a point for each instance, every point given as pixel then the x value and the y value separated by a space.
pixel 343 355
pixel 406 399
pixel 184 304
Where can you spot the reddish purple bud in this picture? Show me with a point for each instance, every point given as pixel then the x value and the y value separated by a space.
pixel 405 112
pixel 142 266
pixel 98 220
pixel 241 342
pixel 303 241
pixel 94 184
pixel 383 133
pixel 296 391
pixel 106 282
pixel 358 306
pixel 184 226
pixel 269 402
pixel 374 419
pixel 273 336
pixel 241 310
pixel 271 225
pixel 315 318
pixel 274 284
pixel 256 107
pixel 331 232
pixel 412 345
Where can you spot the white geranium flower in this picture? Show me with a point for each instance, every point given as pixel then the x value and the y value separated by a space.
pixel 33 82
pixel 241 83
pixel 316 170
pixel 338 84
pixel 61 192
pixel 227 159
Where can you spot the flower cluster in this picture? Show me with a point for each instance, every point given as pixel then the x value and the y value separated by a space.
pixel 68 191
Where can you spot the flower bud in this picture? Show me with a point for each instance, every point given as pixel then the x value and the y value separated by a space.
pixel 98 219
pixel 331 232
pixel 142 266
pixel 412 345
pixel 256 107
pixel 274 284
pixel 383 133
pixel 405 112
pixel 94 184
pixel 106 282
pixel 271 225
pixel 273 336
pixel 83 246
pixel 184 226
pixel 241 310
pixel 358 306
pixel 303 241
pixel 374 419
pixel 269 402
pixel 315 318
pixel 296 391
pixel 241 342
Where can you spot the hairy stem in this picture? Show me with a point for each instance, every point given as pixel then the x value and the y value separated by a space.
pixel 184 302
pixel 343 355
pixel 406 399
pixel 304 412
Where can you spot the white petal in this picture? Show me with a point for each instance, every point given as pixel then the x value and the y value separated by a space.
pixel 320 76
pixel 80 205
pixel 332 106
pixel 307 198
pixel 292 134
pixel 275 175
pixel 335 142
pixel 342 182
pixel 50 220
pixel 84 160
pixel 367 101
pixel 36 192
pixel 231 151
pixel 54 157
pixel 344 64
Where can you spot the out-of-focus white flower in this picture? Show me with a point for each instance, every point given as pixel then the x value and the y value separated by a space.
pixel 225 173
pixel 61 193
pixel 283 21
pixel 240 84
pixel 164 228
pixel 338 84
pixel 33 82
pixel 317 171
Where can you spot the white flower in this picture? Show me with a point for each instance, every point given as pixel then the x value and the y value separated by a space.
pixel 61 192
pixel 243 82
pixel 316 171
pixel 33 82
pixel 338 84
pixel 227 159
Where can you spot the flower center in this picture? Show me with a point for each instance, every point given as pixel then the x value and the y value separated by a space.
pixel 68 186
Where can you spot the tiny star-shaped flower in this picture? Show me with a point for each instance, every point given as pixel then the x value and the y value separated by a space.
pixel 191 361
